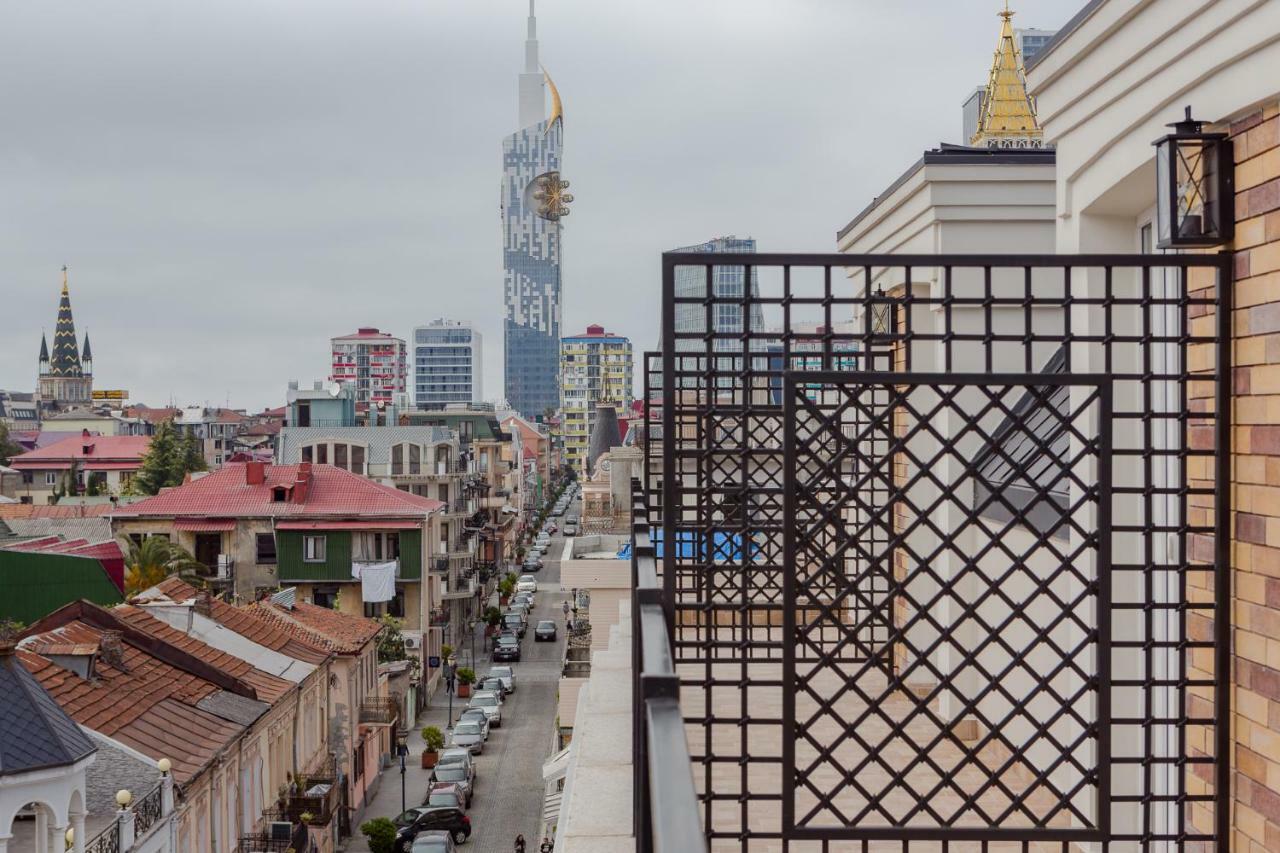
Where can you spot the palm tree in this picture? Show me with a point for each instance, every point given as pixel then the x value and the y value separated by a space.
pixel 155 558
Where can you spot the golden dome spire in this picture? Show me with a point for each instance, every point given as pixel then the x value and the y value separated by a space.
pixel 1008 117
pixel 557 109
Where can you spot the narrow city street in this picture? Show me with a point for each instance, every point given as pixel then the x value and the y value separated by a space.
pixel 509 787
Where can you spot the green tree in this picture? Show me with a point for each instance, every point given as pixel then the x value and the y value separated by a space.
pixel 169 459
pixel 190 457
pixel 381 833
pixel 159 462
pixel 8 447
pixel 155 558
pixel 391 641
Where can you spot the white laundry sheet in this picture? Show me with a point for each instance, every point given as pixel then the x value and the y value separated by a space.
pixel 377 581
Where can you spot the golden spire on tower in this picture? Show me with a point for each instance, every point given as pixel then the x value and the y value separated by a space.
pixel 557 108
pixel 1008 118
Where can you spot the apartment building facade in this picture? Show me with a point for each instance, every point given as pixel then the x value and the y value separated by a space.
pixel 374 363
pixel 595 367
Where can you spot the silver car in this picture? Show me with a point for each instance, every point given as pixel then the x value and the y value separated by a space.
pixel 507 674
pixel 491 704
pixel 477 716
pixel 469 735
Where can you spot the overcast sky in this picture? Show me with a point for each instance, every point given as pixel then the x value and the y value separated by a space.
pixel 232 183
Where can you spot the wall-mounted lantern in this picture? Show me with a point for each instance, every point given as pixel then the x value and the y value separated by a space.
pixel 883 314
pixel 1194 198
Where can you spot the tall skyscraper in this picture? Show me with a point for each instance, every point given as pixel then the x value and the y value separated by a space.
pixel 372 362
pixel 447 365
pixel 1031 41
pixel 66 376
pixel 595 367
pixel 533 203
pixel 728 281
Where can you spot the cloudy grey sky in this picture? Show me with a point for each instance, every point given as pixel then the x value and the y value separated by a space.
pixel 234 182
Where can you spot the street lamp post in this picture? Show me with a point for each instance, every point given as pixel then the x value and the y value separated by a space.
pixel 402 747
pixel 450 673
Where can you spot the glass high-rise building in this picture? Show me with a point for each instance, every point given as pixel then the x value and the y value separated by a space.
pixel 447 364
pixel 728 281
pixel 532 204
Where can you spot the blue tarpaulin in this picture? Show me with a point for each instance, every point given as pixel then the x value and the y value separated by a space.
pixel 726 547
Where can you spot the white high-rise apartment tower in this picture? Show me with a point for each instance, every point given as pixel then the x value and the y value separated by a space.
pixel 447 363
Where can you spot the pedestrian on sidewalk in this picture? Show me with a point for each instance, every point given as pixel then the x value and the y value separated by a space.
pixel 547 846
pixel 520 844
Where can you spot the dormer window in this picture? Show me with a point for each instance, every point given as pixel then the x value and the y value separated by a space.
pixel 279 494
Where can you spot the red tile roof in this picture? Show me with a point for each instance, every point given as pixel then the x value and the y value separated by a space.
pixel 63 510
pixel 332 492
pixel 154 416
pixel 340 632
pixel 86 450
pixel 242 620
pixel 269 687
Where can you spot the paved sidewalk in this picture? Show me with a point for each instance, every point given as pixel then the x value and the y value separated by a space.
pixel 386 803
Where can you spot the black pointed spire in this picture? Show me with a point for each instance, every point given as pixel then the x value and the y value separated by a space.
pixel 44 349
pixel 88 353
pixel 66 355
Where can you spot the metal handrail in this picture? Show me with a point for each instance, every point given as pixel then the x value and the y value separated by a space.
pixel 107 841
pixel 665 802
pixel 148 811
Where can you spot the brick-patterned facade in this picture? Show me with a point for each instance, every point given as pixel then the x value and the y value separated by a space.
pixel 1255 546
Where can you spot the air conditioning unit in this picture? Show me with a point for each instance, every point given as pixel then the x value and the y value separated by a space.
pixel 413 642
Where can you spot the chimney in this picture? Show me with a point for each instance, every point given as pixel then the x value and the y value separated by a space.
pixel 255 473
pixel 204 604
pixel 302 484
pixel 111 649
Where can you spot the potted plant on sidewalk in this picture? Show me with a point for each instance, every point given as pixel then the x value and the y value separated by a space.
pixel 466 677
pixel 492 618
pixel 505 589
pixel 434 740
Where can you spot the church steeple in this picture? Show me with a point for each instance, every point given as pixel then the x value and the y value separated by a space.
pixel 44 354
pixel 86 358
pixel 1008 118
pixel 65 360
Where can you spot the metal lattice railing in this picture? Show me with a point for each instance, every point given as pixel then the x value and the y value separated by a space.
pixel 943 543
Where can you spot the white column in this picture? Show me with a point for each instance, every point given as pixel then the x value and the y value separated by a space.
pixel 166 794
pixel 4 843
pixel 77 824
pixel 125 819
pixel 57 838
pixel 42 831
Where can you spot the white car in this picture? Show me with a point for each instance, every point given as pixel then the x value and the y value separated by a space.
pixel 491 704
pixel 526 583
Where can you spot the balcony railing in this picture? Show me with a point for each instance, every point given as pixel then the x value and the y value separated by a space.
pixel 383 709
pixel 319 800
pixel 147 811
pixel 663 797
pixel 107 841
pixel 947 541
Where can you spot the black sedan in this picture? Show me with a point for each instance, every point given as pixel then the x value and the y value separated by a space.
pixel 546 630
pixel 506 648
pixel 451 820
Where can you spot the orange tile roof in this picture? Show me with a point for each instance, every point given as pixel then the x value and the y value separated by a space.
pixel 69 510
pixel 245 623
pixel 269 687
pixel 340 632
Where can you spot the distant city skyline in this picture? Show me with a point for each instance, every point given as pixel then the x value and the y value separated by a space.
pixel 259 207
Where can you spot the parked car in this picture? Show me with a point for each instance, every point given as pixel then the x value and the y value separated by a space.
pixel 459 774
pixel 445 795
pixel 491 704
pixel 570 529
pixel 515 622
pixel 506 673
pixel 469 735
pixel 433 841
pixel 453 821
pixel 573 519
pixel 525 598
pixel 551 528
pixel 520 608
pixel 546 630
pixel 506 648
pixel 493 684
pixel 532 564
pixel 526 583
pixel 458 755
pixel 478 716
